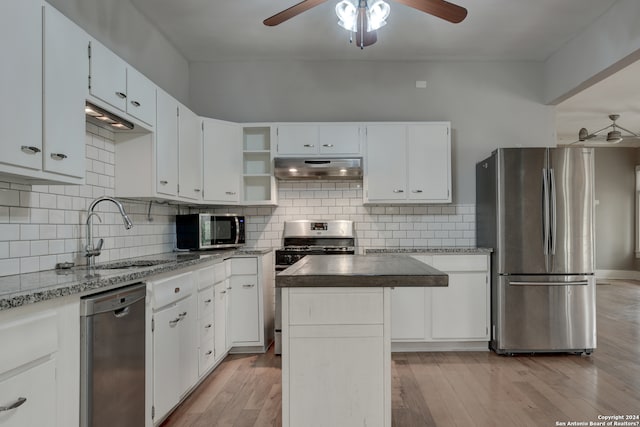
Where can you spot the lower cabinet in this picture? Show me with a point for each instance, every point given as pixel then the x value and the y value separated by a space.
pixel 221 341
pixel 39 375
pixel 451 318
pixel 175 362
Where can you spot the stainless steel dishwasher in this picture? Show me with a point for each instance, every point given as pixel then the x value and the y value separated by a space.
pixel 112 358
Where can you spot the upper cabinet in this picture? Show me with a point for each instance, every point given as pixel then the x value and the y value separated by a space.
pixel 408 163
pixel 189 154
pixel 43 83
pixel 258 182
pixel 166 136
pixel 118 84
pixel 222 157
pixel 318 139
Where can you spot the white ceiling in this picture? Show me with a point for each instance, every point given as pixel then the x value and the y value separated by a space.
pixel 214 30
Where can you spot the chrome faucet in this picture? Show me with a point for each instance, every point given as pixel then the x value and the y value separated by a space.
pixel 91 252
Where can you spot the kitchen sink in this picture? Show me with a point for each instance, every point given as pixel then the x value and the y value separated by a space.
pixel 116 265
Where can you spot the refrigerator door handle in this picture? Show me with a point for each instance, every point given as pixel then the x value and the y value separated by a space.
pixel 545 217
pixel 553 222
pixel 529 283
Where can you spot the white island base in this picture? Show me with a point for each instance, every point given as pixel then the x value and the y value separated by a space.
pixel 336 357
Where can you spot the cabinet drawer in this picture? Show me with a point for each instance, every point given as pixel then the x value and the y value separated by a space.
pixel 220 271
pixel 38 386
pixel 460 262
pixel 205 303
pixel 205 327
pixel 206 357
pixel 172 289
pixel 205 277
pixel 28 339
pixel 329 306
pixel 244 266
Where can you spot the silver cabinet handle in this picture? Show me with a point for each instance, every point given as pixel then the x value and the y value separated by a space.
pixel 327 145
pixel 309 145
pixel 197 190
pixel 163 182
pixel 207 301
pixel 182 315
pixel 230 193
pixel 121 95
pixel 14 405
pixel 250 285
pixel 208 353
pixel 58 156
pixel 223 292
pixel 398 191
pixel 135 103
pixel 173 322
pixel 416 191
pixel 30 149
pixel 208 326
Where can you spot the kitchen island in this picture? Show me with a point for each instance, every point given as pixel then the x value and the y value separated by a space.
pixel 336 349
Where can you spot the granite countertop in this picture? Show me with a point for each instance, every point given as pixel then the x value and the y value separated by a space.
pixel 360 271
pixel 443 250
pixel 23 289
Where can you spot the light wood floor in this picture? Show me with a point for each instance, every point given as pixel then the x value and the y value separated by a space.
pixel 462 388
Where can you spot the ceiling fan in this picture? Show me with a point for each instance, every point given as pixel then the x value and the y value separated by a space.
pixel 614 136
pixel 364 17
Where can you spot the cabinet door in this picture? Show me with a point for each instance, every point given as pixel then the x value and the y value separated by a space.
pixel 190 155
pixel 38 386
pixel 187 344
pixel 166 135
pixel 141 97
pixel 245 310
pixel 429 162
pixel 297 139
pixel 65 91
pixel 166 359
pixel 459 311
pixel 386 162
pixel 21 83
pixel 222 155
pixel 108 76
pixel 220 322
pixel 339 139
pixel 408 311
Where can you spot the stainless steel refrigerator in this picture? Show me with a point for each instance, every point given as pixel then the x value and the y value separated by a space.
pixel 535 208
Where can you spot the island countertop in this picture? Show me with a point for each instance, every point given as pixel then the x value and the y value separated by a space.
pixel 360 271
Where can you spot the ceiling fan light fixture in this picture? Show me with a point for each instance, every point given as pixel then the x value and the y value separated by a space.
pixel 347 13
pixel 614 137
pixel 377 13
pixel 583 134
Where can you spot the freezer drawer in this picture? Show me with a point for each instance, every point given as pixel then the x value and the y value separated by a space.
pixel 544 314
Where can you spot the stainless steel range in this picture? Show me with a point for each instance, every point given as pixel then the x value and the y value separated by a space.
pixel 307 237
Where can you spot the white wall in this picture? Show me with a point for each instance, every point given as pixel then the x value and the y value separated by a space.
pixel 490 104
pixel 42 225
pixel 122 28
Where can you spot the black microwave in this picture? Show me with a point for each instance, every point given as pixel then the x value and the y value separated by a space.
pixel 209 231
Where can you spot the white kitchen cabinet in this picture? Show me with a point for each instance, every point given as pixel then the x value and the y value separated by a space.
pixel 39 376
pixel 251 304
pixel 205 279
pixel 325 139
pixel 448 318
pixel 222 159
pixel 166 142
pixel 408 163
pixel 258 182
pixel 43 74
pixel 189 154
pixel 222 343
pixel 336 357
pixel 118 84
pixel 175 346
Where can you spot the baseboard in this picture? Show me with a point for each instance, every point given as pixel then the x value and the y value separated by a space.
pixel 401 347
pixel 618 274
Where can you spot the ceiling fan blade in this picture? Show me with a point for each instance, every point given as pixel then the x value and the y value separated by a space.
pixel 363 37
pixel 440 8
pixel 294 10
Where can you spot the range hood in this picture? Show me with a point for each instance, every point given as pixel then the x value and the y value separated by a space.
pixel 317 168
pixel 106 119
